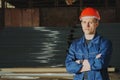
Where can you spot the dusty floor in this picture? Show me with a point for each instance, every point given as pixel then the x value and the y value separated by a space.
pixel 113 76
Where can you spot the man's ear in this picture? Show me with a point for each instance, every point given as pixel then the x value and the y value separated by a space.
pixel 97 23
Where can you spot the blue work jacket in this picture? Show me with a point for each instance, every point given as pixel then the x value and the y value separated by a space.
pixel 79 50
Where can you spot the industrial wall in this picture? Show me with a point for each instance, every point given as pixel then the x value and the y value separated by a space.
pixel 21 17
pixel 70 16
pixel 59 16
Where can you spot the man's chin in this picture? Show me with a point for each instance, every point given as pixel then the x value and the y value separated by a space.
pixel 87 33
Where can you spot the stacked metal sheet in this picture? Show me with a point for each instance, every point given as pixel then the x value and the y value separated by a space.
pixel 33 47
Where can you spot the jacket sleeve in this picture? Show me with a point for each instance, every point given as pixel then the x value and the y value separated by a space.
pixel 71 65
pixel 103 61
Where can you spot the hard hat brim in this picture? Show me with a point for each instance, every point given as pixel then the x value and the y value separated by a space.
pixel 89 17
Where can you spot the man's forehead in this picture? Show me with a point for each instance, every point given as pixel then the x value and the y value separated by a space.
pixel 88 19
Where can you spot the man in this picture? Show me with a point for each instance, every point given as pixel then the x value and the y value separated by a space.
pixel 88 57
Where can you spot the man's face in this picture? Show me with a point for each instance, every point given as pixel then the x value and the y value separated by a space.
pixel 89 25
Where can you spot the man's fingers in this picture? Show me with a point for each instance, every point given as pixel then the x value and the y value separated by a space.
pixel 85 68
pixel 98 56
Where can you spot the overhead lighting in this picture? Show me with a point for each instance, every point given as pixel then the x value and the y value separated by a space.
pixel 69 2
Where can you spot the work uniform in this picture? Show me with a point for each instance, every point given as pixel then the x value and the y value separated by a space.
pixel 79 50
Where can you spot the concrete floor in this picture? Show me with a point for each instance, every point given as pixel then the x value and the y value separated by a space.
pixel 113 76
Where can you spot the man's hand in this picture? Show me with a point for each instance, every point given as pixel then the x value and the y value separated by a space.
pixel 98 56
pixel 86 66
pixel 79 61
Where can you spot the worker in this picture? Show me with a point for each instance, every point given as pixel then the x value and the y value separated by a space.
pixel 89 56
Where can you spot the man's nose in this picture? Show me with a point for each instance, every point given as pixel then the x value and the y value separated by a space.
pixel 87 25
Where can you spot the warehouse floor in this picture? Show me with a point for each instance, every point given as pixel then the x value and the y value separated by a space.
pixel 113 76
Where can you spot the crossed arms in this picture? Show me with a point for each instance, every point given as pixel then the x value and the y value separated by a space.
pixel 86 64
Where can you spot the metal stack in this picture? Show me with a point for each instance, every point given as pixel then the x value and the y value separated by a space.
pixel 33 47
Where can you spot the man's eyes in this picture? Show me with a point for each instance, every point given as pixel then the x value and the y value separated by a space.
pixel 91 22
pixel 88 22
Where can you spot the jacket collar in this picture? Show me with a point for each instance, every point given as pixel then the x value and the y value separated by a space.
pixel 94 40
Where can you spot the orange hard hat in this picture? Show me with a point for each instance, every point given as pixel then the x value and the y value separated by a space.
pixel 90 12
